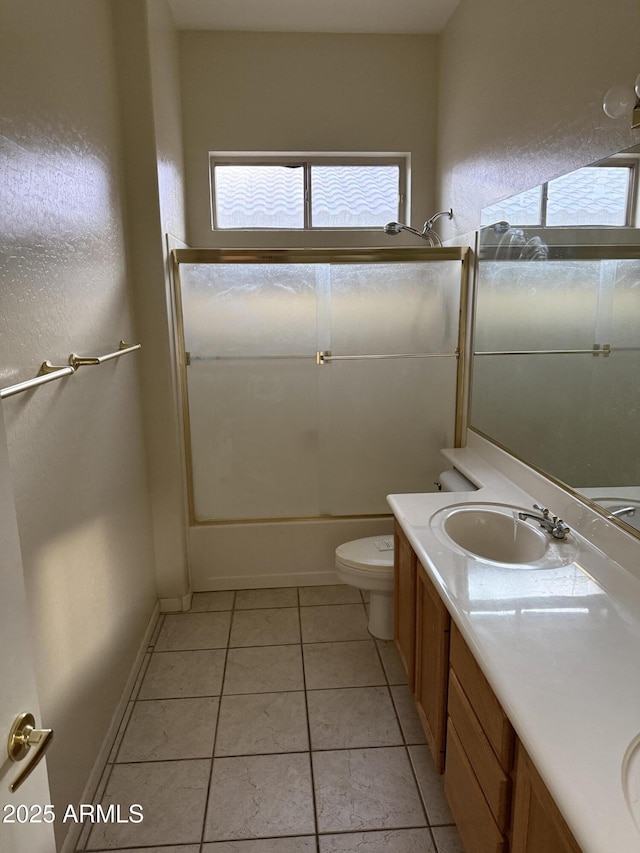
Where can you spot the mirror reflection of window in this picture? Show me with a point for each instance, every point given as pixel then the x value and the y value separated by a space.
pixel 600 195
pixel 595 195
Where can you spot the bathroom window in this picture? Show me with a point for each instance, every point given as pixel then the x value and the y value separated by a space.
pixel 328 191
pixel 602 195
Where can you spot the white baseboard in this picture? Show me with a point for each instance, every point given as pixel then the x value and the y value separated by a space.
pixel 75 829
pixel 173 605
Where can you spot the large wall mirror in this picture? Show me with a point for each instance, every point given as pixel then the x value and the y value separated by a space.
pixel 556 367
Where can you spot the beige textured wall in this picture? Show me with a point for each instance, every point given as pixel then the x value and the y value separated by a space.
pixel 76 446
pixel 147 57
pixel 306 92
pixel 164 56
pixel 521 88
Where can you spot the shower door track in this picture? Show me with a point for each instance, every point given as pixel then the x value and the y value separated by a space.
pixel 306 256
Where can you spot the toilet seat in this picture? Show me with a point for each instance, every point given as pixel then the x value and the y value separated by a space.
pixel 364 555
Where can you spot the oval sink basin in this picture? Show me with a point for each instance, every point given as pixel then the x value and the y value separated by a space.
pixel 631 779
pixel 493 533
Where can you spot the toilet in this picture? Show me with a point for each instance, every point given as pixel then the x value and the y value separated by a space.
pixel 368 564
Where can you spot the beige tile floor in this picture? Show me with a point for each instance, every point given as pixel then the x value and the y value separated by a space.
pixel 270 721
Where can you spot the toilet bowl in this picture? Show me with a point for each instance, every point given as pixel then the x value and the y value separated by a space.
pixel 368 564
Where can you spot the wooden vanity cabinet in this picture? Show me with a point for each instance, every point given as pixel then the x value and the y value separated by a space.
pixel 538 826
pixel 432 665
pixel 498 801
pixel 404 599
pixel 480 747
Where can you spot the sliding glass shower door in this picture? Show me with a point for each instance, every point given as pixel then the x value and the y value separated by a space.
pixel 316 388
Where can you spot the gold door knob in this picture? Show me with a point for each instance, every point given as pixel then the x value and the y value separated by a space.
pixel 22 737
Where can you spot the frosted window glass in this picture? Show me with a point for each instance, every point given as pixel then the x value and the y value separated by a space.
pixel 394 308
pixel 591 196
pixel 259 196
pixel 354 196
pixel 522 209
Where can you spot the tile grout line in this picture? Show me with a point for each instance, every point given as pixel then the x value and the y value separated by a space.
pixel 369 639
pixel 215 736
pixel 406 746
pixel 306 710
pixel 285 752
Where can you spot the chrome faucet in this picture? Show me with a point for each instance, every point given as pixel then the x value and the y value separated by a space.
pixel 551 523
pixel 623 510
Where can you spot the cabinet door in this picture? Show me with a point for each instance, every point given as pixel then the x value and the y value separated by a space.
pixel 405 603
pixel 432 664
pixel 538 826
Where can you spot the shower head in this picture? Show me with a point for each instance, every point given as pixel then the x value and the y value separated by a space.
pixel 427 232
pixel 393 228
pixel 397 227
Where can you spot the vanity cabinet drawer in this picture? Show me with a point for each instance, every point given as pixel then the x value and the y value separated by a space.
pixel 492 779
pixel 476 826
pixel 491 717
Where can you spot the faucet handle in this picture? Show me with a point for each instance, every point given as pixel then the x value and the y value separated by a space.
pixel 543 510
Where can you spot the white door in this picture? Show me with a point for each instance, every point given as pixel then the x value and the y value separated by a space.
pixel 25 825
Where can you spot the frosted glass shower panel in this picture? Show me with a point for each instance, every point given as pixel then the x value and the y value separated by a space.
pixel 386 424
pixel 274 433
pixel 388 308
pixel 576 442
pixel 525 305
pixel 625 308
pixel 257 310
pixel 254 439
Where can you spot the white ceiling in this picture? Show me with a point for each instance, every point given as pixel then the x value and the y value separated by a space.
pixel 322 16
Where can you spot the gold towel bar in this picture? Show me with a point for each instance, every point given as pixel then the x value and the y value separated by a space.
pixel 79 361
pixel 48 372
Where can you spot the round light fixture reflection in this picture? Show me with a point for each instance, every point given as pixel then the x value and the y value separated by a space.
pixel 620 100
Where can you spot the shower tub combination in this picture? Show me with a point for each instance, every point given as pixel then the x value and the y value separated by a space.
pixel 314 383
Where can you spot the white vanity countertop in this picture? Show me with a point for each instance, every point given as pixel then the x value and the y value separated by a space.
pixel 561 650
